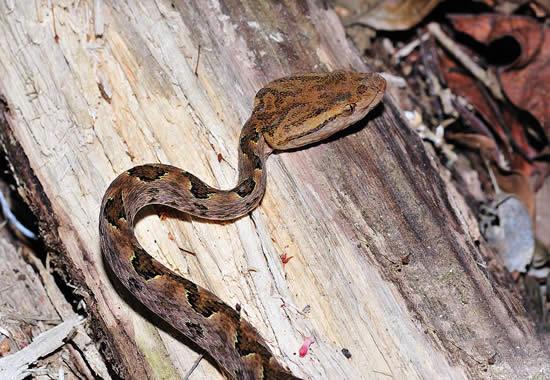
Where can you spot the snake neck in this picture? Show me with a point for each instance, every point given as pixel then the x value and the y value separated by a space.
pixel 253 153
pixel 159 184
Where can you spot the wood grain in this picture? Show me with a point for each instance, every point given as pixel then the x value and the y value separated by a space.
pixel 81 108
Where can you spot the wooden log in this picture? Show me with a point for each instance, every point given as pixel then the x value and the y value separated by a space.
pixel 32 309
pixel 386 261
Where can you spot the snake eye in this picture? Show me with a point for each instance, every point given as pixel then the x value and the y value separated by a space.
pixel 349 109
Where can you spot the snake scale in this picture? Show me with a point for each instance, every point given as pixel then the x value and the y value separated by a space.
pixel 288 113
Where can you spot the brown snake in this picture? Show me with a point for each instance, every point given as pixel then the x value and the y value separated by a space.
pixel 288 113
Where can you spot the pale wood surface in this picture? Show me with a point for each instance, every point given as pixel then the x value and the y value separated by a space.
pixel 81 108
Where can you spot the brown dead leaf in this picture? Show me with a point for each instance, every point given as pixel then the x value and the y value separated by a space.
pixel 515 182
pixel 526 82
pixel 495 115
pixel 397 14
pixel 473 141
pixel 463 84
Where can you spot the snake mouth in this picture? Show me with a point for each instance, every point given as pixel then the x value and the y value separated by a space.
pixel 330 126
pixel 376 82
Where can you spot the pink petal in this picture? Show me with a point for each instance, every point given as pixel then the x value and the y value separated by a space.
pixel 308 341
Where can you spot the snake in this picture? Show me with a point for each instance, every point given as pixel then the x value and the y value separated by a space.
pixel 288 113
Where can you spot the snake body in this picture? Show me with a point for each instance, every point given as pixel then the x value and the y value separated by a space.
pixel 288 113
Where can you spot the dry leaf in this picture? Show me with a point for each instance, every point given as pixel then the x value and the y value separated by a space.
pixel 526 82
pixel 397 14
pixel 505 124
pixel 463 84
pixel 515 182
pixel 473 141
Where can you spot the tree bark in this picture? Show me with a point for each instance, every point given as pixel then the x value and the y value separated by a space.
pixel 387 262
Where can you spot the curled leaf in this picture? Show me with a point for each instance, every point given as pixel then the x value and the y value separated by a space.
pixel 526 82
pixel 461 83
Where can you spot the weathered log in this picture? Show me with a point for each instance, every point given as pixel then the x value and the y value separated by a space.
pixel 387 263
pixel 31 304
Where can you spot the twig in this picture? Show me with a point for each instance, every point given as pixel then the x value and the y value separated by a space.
pixel 494 181
pixel 15 366
pixel 477 125
pixel 198 57
pixel 439 102
pixel 187 251
pixel 487 77
pixel 195 364
pixel 409 48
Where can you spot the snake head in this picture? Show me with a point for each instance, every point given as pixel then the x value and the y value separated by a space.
pixel 303 109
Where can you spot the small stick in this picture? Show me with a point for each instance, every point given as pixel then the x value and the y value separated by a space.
pixel 186 377
pixel 428 55
pixel 16 365
pixel 487 77
pixel 198 57
pixel 187 251
pixel 408 48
